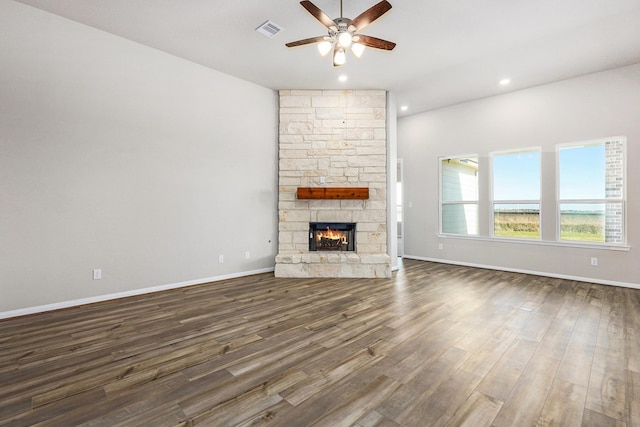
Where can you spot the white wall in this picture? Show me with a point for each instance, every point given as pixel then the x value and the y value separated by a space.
pixel 119 157
pixel 579 109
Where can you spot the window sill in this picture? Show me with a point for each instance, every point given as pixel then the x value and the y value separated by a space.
pixel 600 246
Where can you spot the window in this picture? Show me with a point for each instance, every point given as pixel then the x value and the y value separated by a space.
pixel 592 191
pixel 516 194
pixel 459 195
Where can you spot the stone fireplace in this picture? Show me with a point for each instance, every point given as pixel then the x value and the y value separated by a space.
pixel 333 140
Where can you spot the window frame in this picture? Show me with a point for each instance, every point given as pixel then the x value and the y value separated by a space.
pixel 623 201
pixel 442 203
pixel 493 201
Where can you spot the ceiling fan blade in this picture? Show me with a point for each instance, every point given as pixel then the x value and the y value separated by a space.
pixel 375 42
pixel 319 15
pixel 305 41
pixel 370 15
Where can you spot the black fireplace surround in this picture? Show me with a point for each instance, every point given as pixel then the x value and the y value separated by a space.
pixel 332 236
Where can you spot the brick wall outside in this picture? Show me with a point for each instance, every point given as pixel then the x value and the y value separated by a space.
pixel 614 178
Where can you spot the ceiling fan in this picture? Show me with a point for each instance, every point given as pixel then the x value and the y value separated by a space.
pixel 344 33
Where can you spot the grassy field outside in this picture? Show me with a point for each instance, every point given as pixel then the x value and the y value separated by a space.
pixel 523 224
pixel 582 226
pixel 576 226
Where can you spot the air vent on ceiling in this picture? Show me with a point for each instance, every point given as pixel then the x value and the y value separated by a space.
pixel 269 29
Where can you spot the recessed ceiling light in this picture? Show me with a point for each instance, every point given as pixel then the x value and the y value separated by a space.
pixel 404 108
pixel 343 78
pixel 505 82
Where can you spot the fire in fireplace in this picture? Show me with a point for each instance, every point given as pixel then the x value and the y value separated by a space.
pixel 332 236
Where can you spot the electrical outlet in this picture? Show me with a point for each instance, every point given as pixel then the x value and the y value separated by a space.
pixel 323 180
pixel 440 246
pixel 97 274
pixel 247 255
pixel 221 259
pixel 594 261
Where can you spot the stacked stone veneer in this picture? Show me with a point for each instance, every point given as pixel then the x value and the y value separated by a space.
pixel 338 136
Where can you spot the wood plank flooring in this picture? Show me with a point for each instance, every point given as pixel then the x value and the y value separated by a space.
pixel 436 345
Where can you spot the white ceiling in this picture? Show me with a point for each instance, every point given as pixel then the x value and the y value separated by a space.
pixel 448 51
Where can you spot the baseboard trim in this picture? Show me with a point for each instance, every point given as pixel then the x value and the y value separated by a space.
pixel 135 292
pixel 535 273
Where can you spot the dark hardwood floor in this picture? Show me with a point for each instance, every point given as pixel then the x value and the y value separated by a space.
pixel 436 345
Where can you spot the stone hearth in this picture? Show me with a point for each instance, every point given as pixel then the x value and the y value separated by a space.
pixel 333 139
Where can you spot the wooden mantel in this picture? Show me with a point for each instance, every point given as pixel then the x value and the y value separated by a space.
pixel 333 193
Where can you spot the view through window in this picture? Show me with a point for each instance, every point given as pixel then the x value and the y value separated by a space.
pixel 516 194
pixel 459 195
pixel 591 191
pixel 590 196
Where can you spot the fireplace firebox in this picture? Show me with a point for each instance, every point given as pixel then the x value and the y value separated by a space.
pixel 332 236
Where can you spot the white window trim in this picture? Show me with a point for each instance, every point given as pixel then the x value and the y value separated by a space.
pixel 564 244
pixel 441 202
pixel 573 243
pixel 493 202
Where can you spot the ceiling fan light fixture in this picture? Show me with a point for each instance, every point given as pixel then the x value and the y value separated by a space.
pixel 345 39
pixel 344 33
pixel 357 49
pixel 325 47
pixel 339 57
